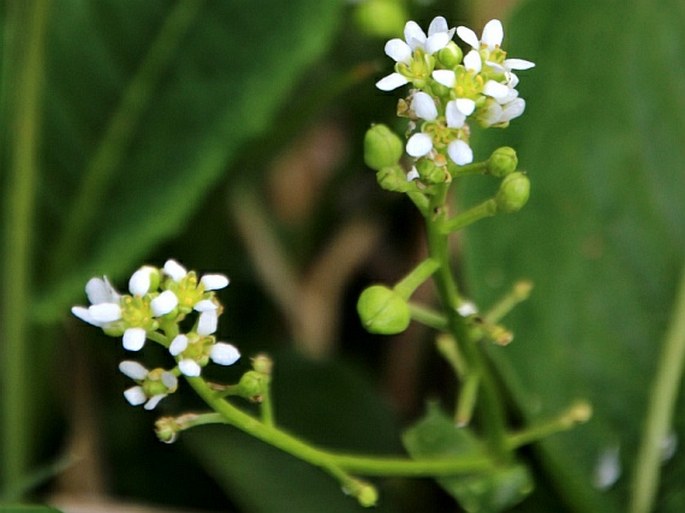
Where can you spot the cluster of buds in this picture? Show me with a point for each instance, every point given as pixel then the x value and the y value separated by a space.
pixel 159 300
pixel 449 89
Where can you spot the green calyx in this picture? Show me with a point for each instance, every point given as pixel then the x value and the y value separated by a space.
pixel 383 311
pixel 382 147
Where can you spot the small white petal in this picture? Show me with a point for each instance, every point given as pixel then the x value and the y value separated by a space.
pixel 99 290
pixel 495 89
pixel 460 152
pixel 419 145
pixel 497 66
pixel 224 354
pixel 437 42
pixel 493 33
pixel 139 284
pixel 205 305
pixel 133 370
pixel 519 64
pixel 473 62
pixel 455 117
pixel 164 303
pixel 512 80
pixel 178 345
pixel 424 106
pixel 175 270
pixel 468 36
pixel 398 50
pixel 170 381
pixel 439 24
pixel 207 323
pixel 84 314
pixel 189 368
pixel 412 175
pixel 513 109
pixel 467 308
pixel 465 105
pixel 491 115
pixel 135 396
pixel 134 339
pixel 392 81
pixel 445 77
pixel 154 401
pixel 214 281
pixel 414 35
pixel 105 312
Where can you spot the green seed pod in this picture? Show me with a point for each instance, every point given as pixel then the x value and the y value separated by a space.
pixel 513 193
pixel 502 162
pixel 382 148
pixel 393 178
pixel 451 55
pixel 383 311
pixel 381 18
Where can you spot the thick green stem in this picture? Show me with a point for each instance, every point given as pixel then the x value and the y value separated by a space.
pixel 121 131
pixel 427 316
pixel 415 279
pixel 336 464
pixel 28 62
pixel 662 402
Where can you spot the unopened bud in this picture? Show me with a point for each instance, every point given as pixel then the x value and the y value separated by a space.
pixel 503 161
pixel 450 56
pixel 251 385
pixel 381 18
pixel 513 193
pixel 262 364
pixel 383 311
pixel 382 147
pixel 432 173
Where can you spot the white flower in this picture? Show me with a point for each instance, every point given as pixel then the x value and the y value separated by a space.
pixel 134 339
pixel 224 354
pixel 439 35
pixel 152 387
pixel 189 367
pixel 495 113
pixel 205 305
pixel 104 302
pixel 424 106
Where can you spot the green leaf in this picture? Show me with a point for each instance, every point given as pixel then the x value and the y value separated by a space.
pixel 437 436
pixel 146 106
pixel 327 404
pixel 603 236
pixel 26 508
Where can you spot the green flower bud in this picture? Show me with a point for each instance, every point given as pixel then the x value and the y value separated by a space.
pixel 251 385
pixel 451 55
pixel 383 311
pixel 367 496
pixel 262 364
pixel 166 429
pixel 431 173
pixel 513 193
pixel 382 148
pixel 393 178
pixel 381 18
pixel 502 162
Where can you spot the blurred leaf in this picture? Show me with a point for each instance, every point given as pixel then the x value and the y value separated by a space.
pixel 155 99
pixel 28 509
pixel 603 236
pixel 436 435
pixel 325 403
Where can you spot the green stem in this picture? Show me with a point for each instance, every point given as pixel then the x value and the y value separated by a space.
pixel 336 464
pixel 121 130
pixel 491 407
pixel 427 316
pixel 415 279
pixel 519 292
pixel 660 410
pixel 577 413
pixel 475 168
pixel 31 19
pixel 486 209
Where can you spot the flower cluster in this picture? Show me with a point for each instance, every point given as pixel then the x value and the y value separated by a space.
pixel 449 88
pixel 159 300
